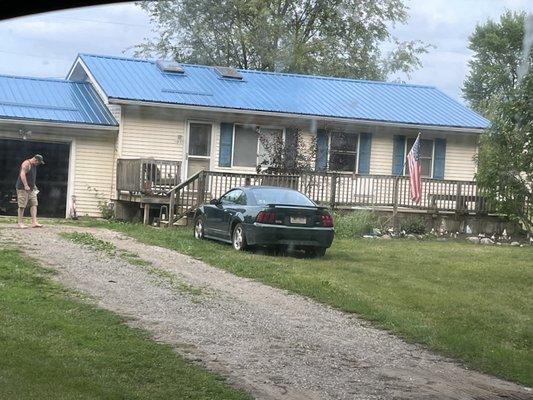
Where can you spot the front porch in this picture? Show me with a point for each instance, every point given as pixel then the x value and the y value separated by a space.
pixel 157 182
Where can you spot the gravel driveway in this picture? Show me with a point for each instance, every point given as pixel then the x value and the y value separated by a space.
pixel 273 344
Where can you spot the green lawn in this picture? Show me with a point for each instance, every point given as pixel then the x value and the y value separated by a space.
pixel 53 345
pixel 474 303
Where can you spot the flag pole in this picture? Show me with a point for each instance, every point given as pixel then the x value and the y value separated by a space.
pixel 395 192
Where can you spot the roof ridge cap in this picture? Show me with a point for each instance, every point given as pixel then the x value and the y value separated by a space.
pixel 255 71
pixel 117 58
pixel 37 78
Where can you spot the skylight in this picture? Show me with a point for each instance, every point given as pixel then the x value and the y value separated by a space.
pixel 170 66
pixel 228 72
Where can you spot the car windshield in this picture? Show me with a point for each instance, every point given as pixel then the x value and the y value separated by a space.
pixel 266 196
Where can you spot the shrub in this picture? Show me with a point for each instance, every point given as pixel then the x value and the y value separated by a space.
pixel 415 225
pixel 106 209
pixel 355 223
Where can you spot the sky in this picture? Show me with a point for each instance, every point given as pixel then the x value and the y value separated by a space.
pixel 45 45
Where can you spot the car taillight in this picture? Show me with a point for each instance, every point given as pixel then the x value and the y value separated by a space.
pixel 266 217
pixel 327 220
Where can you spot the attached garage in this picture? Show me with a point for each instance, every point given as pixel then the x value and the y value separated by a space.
pixel 52 177
pixel 70 126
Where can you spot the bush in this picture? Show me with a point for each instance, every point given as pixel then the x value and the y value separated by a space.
pixel 106 209
pixel 356 223
pixel 415 225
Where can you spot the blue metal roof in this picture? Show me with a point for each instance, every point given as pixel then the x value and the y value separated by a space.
pixel 142 80
pixel 52 100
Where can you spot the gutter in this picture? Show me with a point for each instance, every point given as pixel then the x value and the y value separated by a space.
pixel 120 101
pixel 59 124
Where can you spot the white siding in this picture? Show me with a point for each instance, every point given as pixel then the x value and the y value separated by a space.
pixel 156 133
pixel 381 154
pixel 161 133
pixel 93 179
pixel 460 151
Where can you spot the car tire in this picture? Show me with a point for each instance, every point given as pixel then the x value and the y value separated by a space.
pixel 316 252
pixel 199 226
pixel 238 238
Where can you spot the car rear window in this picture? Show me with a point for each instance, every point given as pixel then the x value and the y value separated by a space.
pixel 280 196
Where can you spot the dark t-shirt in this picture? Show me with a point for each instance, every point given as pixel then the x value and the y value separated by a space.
pixel 31 175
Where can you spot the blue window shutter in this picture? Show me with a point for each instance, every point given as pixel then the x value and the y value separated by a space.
pixel 365 144
pixel 226 144
pixel 398 154
pixel 321 161
pixel 291 147
pixel 440 156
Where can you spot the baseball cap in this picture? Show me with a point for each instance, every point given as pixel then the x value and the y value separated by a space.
pixel 39 158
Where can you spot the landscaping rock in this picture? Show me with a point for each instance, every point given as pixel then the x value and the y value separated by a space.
pixel 486 241
pixel 473 239
pixel 411 236
pixel 385 237
pixel 515 244
pixel 369 237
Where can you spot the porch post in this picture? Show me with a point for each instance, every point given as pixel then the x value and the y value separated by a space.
pixel 395 203
pixel 171 210
pixel 201 188
pixel 332 198
pixel 146 216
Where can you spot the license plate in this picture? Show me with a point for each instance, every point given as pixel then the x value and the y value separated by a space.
pixel 298 220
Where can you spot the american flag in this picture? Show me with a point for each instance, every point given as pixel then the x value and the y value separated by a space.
pixel 415 171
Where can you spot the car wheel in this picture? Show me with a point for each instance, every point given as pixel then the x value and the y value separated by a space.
pixel 199 228
pixel 238 238
pixel 316 251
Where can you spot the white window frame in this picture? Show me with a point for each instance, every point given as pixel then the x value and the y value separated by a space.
pixel 330 133
pixel 406 151
pixel 283 129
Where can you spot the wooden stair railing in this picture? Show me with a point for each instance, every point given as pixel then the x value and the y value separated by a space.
pixel 186 197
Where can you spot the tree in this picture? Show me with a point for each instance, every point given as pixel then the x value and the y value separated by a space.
pixel 497 60
pixel 290 155
pixel 500 86
pixel 330 37
pixel 505 160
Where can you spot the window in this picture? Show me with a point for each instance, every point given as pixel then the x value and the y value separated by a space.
pixel 245 147
pixel 251 147
pixel 236 196
pixel 199 139
pixel 426 156
pixel 343 151
pixel 264 196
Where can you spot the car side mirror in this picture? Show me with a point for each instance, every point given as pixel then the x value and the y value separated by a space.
pixel 214 202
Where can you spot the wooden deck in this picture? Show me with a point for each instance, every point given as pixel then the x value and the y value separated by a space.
pixel 157 182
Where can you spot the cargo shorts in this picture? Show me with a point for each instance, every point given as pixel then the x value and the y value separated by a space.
pixel 25 198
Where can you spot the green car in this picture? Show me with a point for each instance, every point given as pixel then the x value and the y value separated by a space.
pixel 266 216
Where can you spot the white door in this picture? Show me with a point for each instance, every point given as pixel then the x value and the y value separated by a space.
pixel 199 147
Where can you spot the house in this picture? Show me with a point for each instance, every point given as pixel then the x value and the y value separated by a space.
pixel 207 118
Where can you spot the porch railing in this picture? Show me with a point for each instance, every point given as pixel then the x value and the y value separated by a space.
pixel 338 191
pixel 147 176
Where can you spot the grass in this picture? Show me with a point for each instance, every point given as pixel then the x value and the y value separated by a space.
pixel 470 302
pixel 52 344
pixel 89 240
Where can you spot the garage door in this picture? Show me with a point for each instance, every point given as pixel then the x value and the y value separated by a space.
pixel 52 178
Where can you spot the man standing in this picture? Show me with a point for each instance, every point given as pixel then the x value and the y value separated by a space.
pixel 27 191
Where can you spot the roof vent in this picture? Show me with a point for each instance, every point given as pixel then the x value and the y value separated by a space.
pixel 229 72
pixel 170 66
